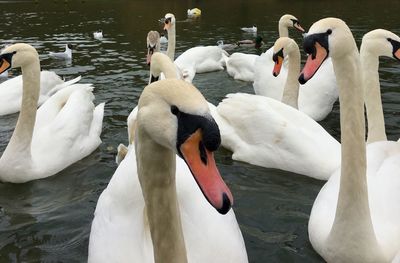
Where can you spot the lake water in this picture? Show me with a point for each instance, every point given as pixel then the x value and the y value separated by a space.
pixel 49 220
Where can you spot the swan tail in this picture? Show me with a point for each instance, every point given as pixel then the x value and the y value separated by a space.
pixel 122 151
pixel 63 85
pixel 97 122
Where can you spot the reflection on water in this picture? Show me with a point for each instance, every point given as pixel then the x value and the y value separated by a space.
pixel 49 220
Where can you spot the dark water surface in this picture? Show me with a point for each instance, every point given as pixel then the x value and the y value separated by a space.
pixel 49 220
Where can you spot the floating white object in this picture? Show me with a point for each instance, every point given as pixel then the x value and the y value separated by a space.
pixel 67 54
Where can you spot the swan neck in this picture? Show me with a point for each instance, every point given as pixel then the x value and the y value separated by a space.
pixel 162 64
pixel 352 219
pixel 291 90
pixel 373 101
pixel 22 136
pixel 171 42
pixel 283 30
pixel 156 171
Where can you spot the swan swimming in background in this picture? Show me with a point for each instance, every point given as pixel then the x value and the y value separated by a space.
pixel 130 223
pixel 266 132
pixel 252 29
pixel 196 59
pixel 11 90
pixel 67 54
pixel 243 67
pixel 65 129
pixel 98 35
pixel 316 98
pixel 194 12
pixel 355 217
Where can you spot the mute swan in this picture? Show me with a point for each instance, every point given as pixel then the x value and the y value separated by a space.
pixel 266 132
pixel 252 29
pixel 375 44
pixel 194 60
pixel 242 66
pixel 67 54
pixel 65 129
pixel 194 12
pixel 316 99
pixel 11 91
pixel 98 34
pixel 130 220
pixel 355 217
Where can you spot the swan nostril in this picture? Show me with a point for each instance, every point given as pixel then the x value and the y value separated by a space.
pixel 226 204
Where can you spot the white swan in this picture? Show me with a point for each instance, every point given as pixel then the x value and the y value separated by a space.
pixel 356 215
pixel 130 221
pixel 67 54
pixel 374 44
pixel 316 97
pixel 194 12
pixel 65 129
pixel 266 132
pixel 11 91
pixel 194 60
pixel 242 66
pixel 98 34
pixel 252 29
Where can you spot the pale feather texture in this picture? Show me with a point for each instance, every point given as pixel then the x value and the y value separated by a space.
pixel 120 231
pixel 67 128
pixel 268 133
pixel 383 197
pixel 240 66
pixel 200 60
pixel 316 97
pixel 11 91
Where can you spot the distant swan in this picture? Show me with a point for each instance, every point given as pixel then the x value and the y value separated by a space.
pixel 243 67
pixel 67 54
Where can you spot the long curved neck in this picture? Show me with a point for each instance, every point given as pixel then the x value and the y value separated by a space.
pixel 373 102
pixel 171 42
pixel 291 90
pixel 283 30
pixel 352 219
pixel 156 170
pixel 21 139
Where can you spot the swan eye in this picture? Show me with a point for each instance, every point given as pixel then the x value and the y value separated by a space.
pixel 329 31
pixel 389 39
pixel 174 110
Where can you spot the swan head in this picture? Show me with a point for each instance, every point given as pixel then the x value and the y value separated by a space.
pixel 380 42
pixel 153 44
pixel 175 115
pixel 17 55
pixel 328 37
pixel 282 47
pixel 290 21
pixel 169 21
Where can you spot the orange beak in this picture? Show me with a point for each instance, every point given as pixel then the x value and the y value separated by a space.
pixel 202 165
pixel 4 65
pixel 314 61
pixel 277 66
pixel 298 27
pixel 167 26
pixel 397 54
